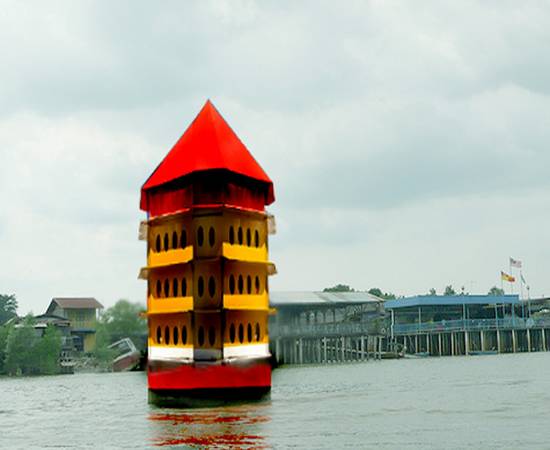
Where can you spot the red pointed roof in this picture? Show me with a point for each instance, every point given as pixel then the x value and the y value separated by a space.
pixel 208 143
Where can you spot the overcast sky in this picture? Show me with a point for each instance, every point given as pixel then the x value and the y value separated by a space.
pixel 408 141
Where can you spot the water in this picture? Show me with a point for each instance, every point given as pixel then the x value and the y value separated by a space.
pixel 462 402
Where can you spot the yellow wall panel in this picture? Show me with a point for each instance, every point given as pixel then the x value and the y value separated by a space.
pixel 171 330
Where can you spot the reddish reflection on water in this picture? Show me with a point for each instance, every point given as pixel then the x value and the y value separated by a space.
pixel 229 427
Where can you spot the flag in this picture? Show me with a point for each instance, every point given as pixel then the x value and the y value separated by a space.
pixel 504 276
pixel 515 263
pixel 522 279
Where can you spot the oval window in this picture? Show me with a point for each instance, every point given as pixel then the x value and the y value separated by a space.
pixel 166 288
pixel 232 333
pixel 157 243
pixel 231 284
pixel 231 235
pixel 167 335
pixel 211 287
pixel 201 336
pixel 241 333
pixel 240 235
pixel 200 286
pixel 211 336
pixel 166 243
pixel 211 237
pixel 257 284
pixel 175 286
pixel 176 335
pixel 249 284
pixel 249 332
pixel 256 238
pixel 200 237
pixel 174 240
pixel 257 335
pixel 248 237
pixel 241 284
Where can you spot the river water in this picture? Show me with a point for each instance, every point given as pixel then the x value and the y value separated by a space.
pixel 455 402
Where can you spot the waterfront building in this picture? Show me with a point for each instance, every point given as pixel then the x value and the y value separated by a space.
pixel 326 327
pixel 207 267
pixel 82 313
pixel 466 324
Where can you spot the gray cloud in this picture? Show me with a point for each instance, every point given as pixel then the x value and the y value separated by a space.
pixel 391 130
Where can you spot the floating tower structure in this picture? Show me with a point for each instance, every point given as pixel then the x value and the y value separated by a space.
pixel 207 267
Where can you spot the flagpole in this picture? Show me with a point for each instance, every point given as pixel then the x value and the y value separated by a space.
pixel 511 274
pixel 521 283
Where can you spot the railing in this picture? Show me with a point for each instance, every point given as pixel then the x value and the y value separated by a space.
pixel 471 325
pixel 324 329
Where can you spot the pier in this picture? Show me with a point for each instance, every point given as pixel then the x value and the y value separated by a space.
pixel 459 325
pixel 324 328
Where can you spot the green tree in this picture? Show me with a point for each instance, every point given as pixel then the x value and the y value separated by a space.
pixel 339 288
pixel 383 295
pixel 495 291
pixel 20 348
pixel 449 290
pixel 47 351
pixel 432 291
pixel 124 319
pixel 4 332
pixel 103 354
pixel 8 307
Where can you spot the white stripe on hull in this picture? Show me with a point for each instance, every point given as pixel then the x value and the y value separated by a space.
pixel 170 353
pixel 186 354
pixel 247 351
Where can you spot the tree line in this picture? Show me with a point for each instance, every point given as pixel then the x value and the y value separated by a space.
pixel 24 350
pixel 448 291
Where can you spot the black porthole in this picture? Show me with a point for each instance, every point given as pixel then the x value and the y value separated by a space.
pixel 167 335
pixel 248 285
pixel 201 336
pixel 176 336
pixel 211 336
pixel 175 286
pixel 257 335
pixel 200 286
pixel 174 240
pixel 241 333
pixel 248 237
pixel 211 236
pixel 157 243
pixel 257 284
pixel 232 333
pixel 231 284
pixel 166 243
pixel 240 235
pixel 200 236
pixel 231 235
pixel 249 332
pixel 240 284
pixel 166 288
pixel 184 335
pixel 256 238
pixel 211 287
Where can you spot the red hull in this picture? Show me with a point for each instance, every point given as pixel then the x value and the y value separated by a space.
pixel 188 377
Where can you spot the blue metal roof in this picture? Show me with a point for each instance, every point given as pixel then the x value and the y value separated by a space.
pixel 450 300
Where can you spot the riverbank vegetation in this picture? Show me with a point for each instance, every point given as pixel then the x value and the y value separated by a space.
pixel 28 348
